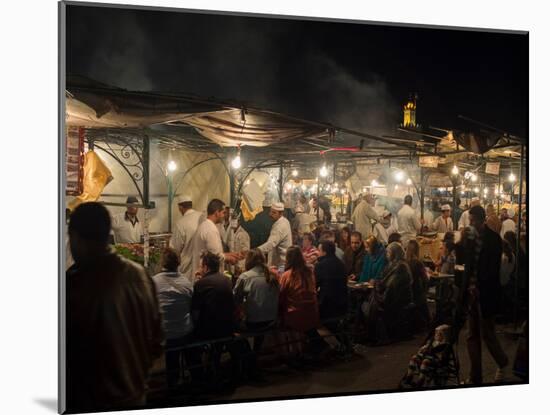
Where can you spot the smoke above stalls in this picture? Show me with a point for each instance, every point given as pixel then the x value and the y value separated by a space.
pixel 266 63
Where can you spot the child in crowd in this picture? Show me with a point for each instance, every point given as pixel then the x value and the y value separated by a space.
pixel 428 358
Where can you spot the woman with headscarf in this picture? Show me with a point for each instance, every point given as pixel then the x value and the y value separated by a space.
pixel 374 261
pixel 396 284
pixel 392 295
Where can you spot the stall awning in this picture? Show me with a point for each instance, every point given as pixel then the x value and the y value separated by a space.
pixel 94 105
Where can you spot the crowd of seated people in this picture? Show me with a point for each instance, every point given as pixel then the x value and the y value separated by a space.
pixel 311 295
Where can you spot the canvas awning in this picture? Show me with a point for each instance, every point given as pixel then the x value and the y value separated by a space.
pixel 94 105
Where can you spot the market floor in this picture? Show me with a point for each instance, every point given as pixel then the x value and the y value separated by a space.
pixel 370 369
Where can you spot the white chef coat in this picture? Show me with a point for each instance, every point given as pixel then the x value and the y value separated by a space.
pixel 441 225
pixel 381 233
pixel 464 220
pixel 407 223
pixel 508 225
pixel 240 241
pixel 182 240
pixel 280 239
pixel 361 218
pixel 125 232
pixel 225 233
pixel 207 238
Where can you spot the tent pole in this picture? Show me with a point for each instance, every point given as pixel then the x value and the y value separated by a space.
pixel 146 201
pixel 518 235
pixel 281 181
pixel 422 190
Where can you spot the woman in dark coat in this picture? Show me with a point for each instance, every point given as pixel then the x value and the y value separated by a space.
pixel 388 306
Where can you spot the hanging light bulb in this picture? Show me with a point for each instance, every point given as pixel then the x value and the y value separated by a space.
pixel 485 191
pixel 396 187
pixel 304 187
pixel 399 175
pixel 476 190
pixel 324 171
pixel 409 181
pixel 474 177
pixel 342 191
pixel 236 163
pixel 294 173
pixel 454 170
pixel 172 166
pixel 374 183
pixel 512 177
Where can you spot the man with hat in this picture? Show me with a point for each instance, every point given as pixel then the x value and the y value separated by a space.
pixel 508 224
pixel 126 226
pixel 464 220
pixel 443 223
pixel 184 232
pixel 363 214
pixel 383 228
pixel 238 242
pixel 280 237
pixel 302 220
pixel 259 227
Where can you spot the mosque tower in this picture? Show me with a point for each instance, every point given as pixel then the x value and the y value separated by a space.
pixel 409 112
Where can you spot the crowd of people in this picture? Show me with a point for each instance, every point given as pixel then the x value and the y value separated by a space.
pixel 221 275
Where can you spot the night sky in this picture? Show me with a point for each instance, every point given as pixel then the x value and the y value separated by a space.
pixel 350 75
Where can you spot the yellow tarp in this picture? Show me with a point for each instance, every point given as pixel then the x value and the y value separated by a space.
pixel 96 176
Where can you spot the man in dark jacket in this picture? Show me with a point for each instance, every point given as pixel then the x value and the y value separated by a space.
pixel 331 279
pixel 213 309
pixel 259 227
pixel 354 255
pixel 483 270
pixel 113 319
pixel 330 275
pixel 212 305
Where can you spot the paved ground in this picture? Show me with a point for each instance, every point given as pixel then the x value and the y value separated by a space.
pixel 369 369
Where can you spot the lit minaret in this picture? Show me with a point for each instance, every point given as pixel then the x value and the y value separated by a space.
pixel 409 113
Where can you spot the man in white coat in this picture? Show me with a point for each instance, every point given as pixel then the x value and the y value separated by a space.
pixel 302 221
pixel 407 222
pixel 208 238
pixel 184 232
pixel 126 226
pixel 280 237
pixel 362 216
pixel 508 225
pixel 443 223
pixel 239 242
pixel 464 220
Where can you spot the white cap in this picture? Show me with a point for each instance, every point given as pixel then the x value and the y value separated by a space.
pixel 445 207
pixel 183 199
pixel 278 206
pixel 299 209
pixel 475 199
pixel 234 223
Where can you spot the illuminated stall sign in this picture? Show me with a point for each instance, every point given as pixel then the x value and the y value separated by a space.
pixel 428 161
pixel 74 160
pixel 492 168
